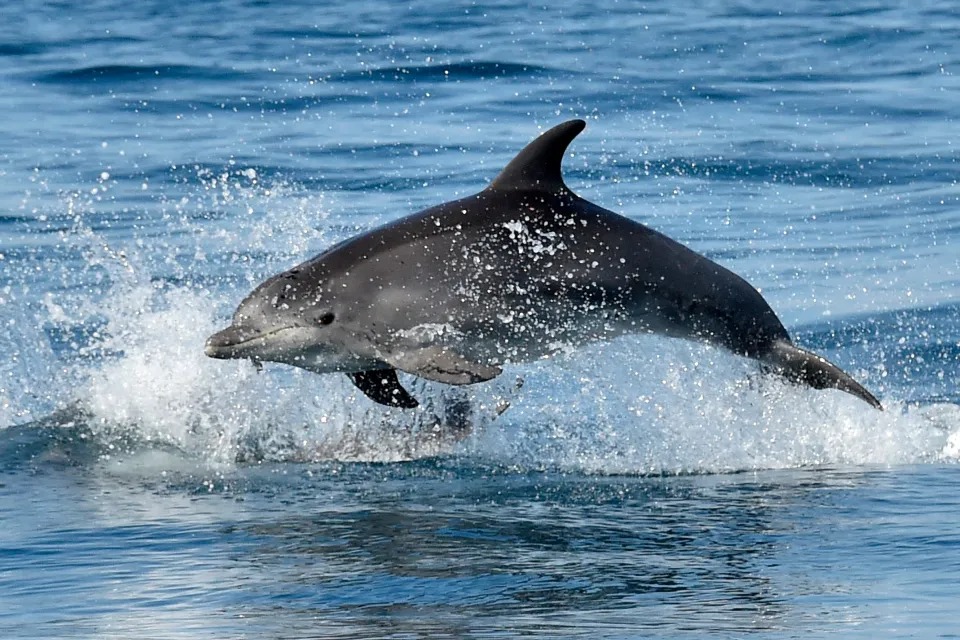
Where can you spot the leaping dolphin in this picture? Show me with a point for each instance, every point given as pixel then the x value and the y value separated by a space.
pixel 514 273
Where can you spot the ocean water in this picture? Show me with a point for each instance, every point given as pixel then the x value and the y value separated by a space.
pixel 158 160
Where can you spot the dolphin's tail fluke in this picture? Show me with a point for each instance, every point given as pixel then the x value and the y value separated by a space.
pixel 800 365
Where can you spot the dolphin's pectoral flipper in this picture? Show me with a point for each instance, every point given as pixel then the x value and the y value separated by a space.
pixel 440 364
pixel 382 386
pixel 800 365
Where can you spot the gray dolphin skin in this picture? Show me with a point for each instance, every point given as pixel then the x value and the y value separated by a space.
pixel 515 273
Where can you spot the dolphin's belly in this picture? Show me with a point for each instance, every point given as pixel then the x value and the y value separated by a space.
pixel 508 328
pixel 514 337
pixel 318 360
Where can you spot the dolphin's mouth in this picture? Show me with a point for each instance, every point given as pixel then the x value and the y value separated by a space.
pixel 237 342
pixel 293 344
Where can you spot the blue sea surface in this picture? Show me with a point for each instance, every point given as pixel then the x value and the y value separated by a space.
pixel 159 159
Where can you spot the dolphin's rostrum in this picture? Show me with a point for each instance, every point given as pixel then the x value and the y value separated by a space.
pixel 514 273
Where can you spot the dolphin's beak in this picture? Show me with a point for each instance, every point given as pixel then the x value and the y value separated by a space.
pixel 224 344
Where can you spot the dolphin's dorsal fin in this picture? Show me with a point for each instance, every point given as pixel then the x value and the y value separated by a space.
pixel 538 165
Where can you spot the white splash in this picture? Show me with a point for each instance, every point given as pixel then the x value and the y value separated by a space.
pixel 652 405
pixel 165 388
pixel 430 332
pixel 538 242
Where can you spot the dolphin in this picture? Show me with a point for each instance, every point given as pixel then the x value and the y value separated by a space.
pixel 517 272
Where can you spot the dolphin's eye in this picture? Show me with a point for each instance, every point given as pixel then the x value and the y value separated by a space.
pixel 325 319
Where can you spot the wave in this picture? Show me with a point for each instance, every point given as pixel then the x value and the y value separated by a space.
pixel 482 70
pixel 14 49
pixel 126 73
pixel 845 173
